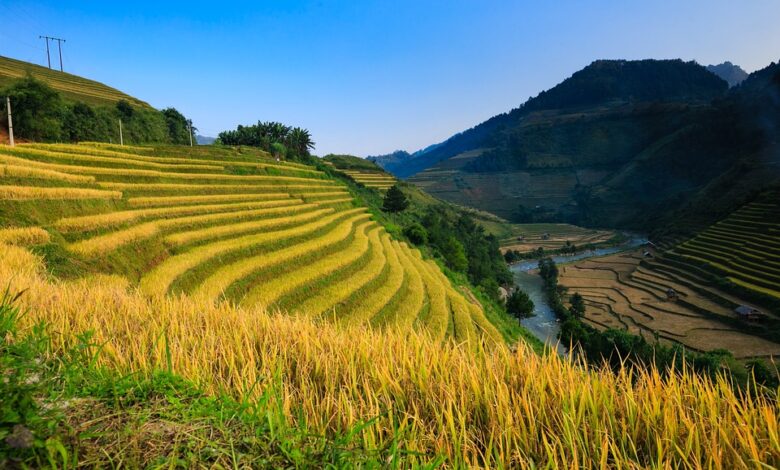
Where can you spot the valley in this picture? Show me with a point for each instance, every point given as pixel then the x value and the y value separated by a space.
pixel 274 276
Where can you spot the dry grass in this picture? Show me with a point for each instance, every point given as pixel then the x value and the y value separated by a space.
pixel 158 280
pixel 18 171
pixel 409 308
pixel 438 316
pixel 132 172
pixel 219 281
pixel 477 407
pixel 369 306
pixel 299 214
pixel 24 236
pixel 181 187
pixel 269 292
pixel 124 159
pixel 104 243
pixel 111 219
pixel 216 198
pixel 21 193
pixel 328 298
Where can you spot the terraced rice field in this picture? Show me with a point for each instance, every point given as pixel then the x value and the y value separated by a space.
pixel 227 227
pixel 529 237
pixel 72 86
pixel 371 179
pixel 743 248
pixel 621 293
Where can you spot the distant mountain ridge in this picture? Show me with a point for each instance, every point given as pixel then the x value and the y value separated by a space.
pixel 616 144
pixel 398 159
pixel 204 140
pixel 732 74
pixel 601 82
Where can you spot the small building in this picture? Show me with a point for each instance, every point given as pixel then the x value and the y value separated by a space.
pixel 747 312
pixel 647 254
pixel 545 236
pixel 671 294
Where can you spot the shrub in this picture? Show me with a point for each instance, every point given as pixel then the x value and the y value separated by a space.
pixel 395 200
pixel 417 234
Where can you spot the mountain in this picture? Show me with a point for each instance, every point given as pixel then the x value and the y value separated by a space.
pixel 732 74
pixel 617 144
pixel 399 161
pixel 203 140
pixel 391 161
pixel 603 82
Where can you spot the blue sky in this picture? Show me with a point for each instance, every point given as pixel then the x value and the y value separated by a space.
pixel 368 77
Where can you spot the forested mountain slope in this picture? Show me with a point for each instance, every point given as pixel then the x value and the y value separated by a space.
pixel 616 144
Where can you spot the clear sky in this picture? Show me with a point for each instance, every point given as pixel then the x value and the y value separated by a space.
pixel 368 77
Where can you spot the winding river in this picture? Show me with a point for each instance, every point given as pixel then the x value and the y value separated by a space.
pixel 544 324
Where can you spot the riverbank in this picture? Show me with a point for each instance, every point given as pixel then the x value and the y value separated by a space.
pixel 544 324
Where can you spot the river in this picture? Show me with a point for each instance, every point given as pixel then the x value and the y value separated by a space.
pixel 544 324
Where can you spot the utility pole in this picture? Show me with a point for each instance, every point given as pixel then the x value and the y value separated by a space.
pixel 10 121
pixel 59 46
pixel 189 128
pixel 48 57
pixel 121 140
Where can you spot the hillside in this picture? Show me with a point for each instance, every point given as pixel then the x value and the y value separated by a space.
pixel 615 140
pixel 72 87
pixel 361 171
pixel 601 83
pixel 96 373
pixel 225 225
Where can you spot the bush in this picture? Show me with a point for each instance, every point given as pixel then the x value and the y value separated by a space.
pixel 417 234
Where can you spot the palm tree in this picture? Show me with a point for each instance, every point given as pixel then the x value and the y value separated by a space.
pixel 299 140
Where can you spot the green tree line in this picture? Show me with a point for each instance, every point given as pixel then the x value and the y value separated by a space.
pixel 41 114
pixel 284 142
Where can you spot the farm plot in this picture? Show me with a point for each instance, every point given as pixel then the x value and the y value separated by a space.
pixel 371 179
pixel 251 232
pixel 659 305
pixel 743 248
pixel 530 237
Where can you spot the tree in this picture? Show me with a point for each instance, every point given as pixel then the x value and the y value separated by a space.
pixel 125 109
pixel 80 123
pixel 179 127
pixel 299 141
pixel 519 304
pixel 38 110
pixel 395 200
pixel 454 254
pixel 577 305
